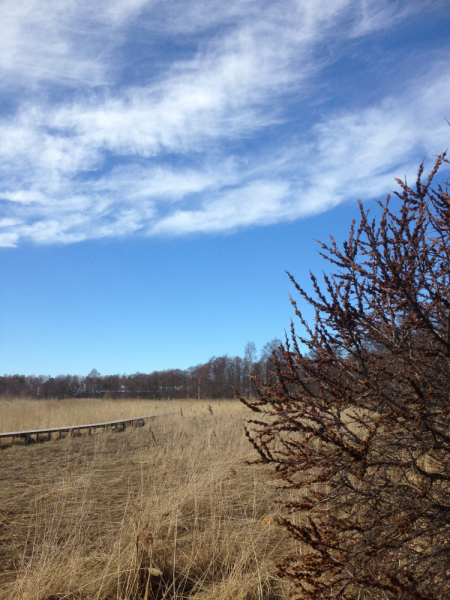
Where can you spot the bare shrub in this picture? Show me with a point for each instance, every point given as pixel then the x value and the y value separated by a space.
pixel 358 429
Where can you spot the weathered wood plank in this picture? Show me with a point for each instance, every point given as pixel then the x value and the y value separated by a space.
pixel 70 428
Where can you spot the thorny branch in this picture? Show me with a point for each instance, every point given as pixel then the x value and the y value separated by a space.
pixel 358 427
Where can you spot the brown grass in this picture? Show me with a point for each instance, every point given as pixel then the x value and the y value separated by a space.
pixel 26 414
pixel 169 510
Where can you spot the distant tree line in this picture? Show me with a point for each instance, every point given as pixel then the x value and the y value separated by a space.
pixel 215 379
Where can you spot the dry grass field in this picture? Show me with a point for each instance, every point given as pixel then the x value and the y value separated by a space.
pixel 22 414
pixel 169 510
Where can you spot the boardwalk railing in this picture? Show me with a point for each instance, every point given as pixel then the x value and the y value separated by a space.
pixel 27 435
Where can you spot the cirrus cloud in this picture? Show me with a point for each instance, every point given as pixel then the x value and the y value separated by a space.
pixel 186 118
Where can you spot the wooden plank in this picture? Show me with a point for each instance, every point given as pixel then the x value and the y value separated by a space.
pixel 89 426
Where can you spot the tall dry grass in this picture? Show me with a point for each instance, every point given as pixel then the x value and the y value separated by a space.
pixel 22 414
pixel 169 510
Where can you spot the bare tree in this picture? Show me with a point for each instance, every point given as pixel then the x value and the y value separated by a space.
pixel 249 357
pixel 358 425
pixel 266 354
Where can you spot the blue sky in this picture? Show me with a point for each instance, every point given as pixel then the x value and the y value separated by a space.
pixel 163 163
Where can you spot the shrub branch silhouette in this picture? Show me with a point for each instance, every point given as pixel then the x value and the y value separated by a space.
pixel 358 429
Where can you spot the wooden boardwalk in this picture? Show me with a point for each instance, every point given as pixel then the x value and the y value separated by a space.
pixel 42 434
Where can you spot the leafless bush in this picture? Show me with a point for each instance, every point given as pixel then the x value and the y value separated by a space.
pixel 358 429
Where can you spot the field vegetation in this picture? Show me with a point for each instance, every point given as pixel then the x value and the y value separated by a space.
pixel 168 510
pixel 20 414
pixel 356 430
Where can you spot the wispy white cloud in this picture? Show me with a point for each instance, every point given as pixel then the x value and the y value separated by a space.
pixel 350 156
pixel 61 41
pixel 196 149
pixel 257 203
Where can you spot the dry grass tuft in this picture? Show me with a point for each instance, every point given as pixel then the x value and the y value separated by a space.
pixel 169 510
